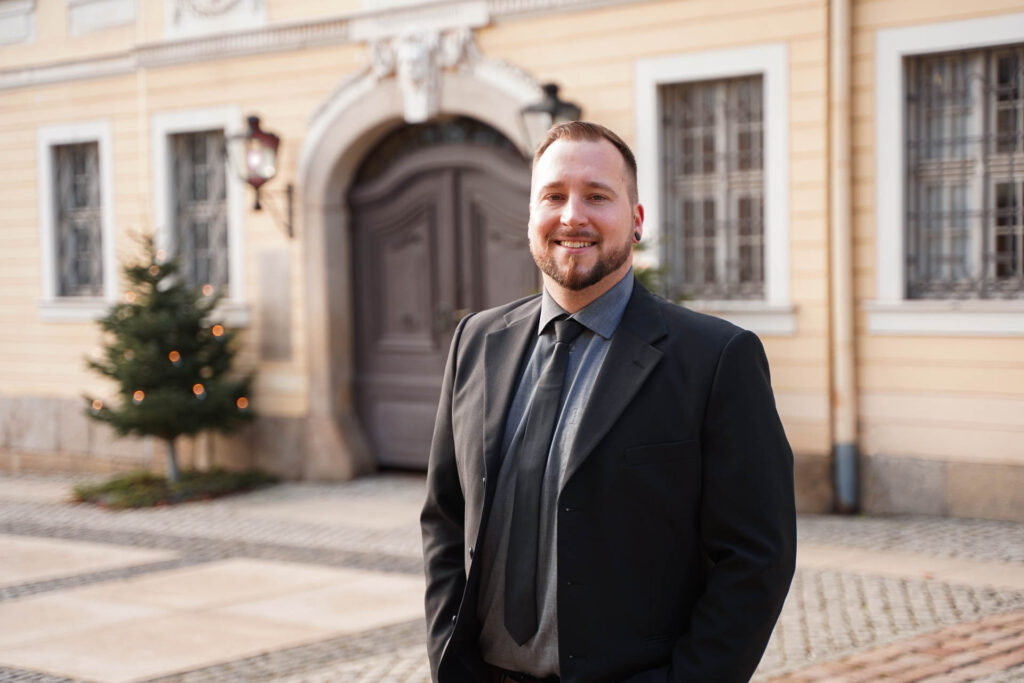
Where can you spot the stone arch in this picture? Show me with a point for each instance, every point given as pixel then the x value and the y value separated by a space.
pixel 341 133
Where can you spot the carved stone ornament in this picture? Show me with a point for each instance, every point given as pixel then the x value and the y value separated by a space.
pixel 419 58
pixel 196 17
pixel 208 7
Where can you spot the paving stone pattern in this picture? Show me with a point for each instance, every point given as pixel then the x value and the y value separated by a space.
pixel 830 614
pixel 974 539
pixel 398 647
pixel 831 618
pixel 990 649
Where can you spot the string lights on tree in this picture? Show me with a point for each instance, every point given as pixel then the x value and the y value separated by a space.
pixel 170 360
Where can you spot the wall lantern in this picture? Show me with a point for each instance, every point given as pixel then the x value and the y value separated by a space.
pixel 537 118
pixel 253 155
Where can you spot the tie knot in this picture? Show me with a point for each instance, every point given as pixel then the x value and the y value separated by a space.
pixel 566 330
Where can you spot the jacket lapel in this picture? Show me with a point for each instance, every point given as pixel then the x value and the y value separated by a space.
pixel 503 356
pixel 630 360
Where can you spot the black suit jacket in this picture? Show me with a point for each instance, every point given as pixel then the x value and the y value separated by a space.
pixel 676 523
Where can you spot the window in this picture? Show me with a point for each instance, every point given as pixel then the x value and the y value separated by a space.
pixel 712 143
pixel 965 171
pixel 947 178
pixel 17 21
pixel 198 207
pixel 79 219
pixel 713 188
pixel 75 189
pixel 200 212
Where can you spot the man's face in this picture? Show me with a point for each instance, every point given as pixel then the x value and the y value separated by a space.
pixel 581 217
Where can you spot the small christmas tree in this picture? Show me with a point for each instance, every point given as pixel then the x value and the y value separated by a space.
pixel 171 361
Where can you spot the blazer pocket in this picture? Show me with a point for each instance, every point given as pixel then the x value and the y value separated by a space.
pixel 655 453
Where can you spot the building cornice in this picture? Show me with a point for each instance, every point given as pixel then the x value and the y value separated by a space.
pixel 275 38
pixel 60 72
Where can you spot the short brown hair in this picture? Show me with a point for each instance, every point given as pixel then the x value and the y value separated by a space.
pixel 592 132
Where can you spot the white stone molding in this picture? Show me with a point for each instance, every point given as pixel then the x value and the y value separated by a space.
pixel 86 16
pixel 17 21
pixel 775 315
pixel 241 39
pixel 535 7
pixel 341 133
pixel 891 313
pixel 52 306
pixel 281 38
pixel 418 59
pixel 435 17
pixel 162 126
pixel 186 18
pixel 63 72
pixel 511 86
pixel 979 318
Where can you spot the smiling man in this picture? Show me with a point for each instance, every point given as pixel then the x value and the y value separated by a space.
pixel 609 491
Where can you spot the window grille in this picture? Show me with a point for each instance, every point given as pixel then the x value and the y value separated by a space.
pixel 79 219
pixel 713 188
pixel 965 175
pixel 200 217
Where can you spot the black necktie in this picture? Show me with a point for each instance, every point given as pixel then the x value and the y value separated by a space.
pixel 532 456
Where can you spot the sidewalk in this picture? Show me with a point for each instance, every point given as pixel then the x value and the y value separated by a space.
pixel 322 582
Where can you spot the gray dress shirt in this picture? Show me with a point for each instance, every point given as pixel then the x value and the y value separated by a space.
pixel 539 655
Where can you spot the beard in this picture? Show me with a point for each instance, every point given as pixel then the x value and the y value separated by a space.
pixel 573 277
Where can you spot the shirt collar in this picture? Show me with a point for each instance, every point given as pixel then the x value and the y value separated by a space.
pixel 601 316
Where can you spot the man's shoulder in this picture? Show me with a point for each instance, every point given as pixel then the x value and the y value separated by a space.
pixel 682 321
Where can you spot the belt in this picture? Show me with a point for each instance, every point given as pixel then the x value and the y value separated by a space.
pixel 505 676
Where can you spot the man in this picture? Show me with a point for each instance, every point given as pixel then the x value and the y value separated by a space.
pixel 609 499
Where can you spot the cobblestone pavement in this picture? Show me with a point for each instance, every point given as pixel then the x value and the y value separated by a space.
pixel 838 624
pixel 990 650
pixel 939 536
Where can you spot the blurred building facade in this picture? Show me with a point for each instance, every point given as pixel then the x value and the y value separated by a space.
pixel 844 178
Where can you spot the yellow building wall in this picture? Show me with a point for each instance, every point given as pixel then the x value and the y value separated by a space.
pixel 592 56
pixel 956 399
pixel 46 358
pixel 590 53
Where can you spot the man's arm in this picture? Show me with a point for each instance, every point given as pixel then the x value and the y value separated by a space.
pixel 747 524
pixel 442 521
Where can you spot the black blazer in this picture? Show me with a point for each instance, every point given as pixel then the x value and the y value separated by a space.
pixel 676 524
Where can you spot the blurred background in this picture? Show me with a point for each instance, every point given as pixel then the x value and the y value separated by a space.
pixel 844 178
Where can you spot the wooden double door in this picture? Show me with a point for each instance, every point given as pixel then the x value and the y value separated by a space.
pixel 436 235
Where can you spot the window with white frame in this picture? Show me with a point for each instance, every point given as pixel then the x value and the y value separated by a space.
pixel 712 143
pixel 76 226
pixel 965 174
pixel 17 21
pixel 200 207
pixel 946 180
pixel 197 207
pixel 713 188
pixel 78 216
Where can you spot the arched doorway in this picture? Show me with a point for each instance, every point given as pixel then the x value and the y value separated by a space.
pixel 438 229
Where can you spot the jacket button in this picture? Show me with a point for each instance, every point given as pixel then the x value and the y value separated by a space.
pixel 454 617
pixel 471 553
